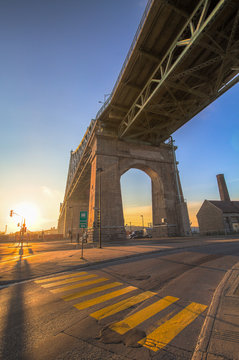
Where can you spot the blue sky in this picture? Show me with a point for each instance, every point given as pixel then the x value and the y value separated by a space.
pixel 58 59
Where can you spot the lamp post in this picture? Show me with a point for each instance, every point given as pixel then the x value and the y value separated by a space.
pixel 105 98
pixel 71 236
pixel 23 228
pixel 99 170
pixel 142 216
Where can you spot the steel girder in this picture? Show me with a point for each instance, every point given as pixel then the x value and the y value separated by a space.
pixel 172 111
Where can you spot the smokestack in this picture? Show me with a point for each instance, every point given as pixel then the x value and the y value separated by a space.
pixel 222 186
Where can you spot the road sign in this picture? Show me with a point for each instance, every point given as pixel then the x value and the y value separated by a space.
pixel 83 215
pixel 83 225
pixel 83 219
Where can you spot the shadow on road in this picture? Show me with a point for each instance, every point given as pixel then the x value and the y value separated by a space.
pixel 14 337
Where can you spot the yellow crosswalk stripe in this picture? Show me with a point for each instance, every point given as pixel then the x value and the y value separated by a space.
pixel 60 277
pixel 166 332
pixel 90 291
pixel 76 286
pixel 68 281
pixel 103 298
pixel 122 305
pixel 137 318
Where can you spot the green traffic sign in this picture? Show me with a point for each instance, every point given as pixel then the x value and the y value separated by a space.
pixel 83 215
pixel 83 219
pixel 83 225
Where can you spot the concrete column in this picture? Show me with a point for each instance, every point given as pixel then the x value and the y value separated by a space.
pixel 184 223
pixel 158 202
pixel 60 226
pixel 112 221
pixel 68 218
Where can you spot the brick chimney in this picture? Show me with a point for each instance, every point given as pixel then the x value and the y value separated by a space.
pixel 222 186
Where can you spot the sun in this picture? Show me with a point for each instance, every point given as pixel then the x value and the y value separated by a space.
pixel 28 211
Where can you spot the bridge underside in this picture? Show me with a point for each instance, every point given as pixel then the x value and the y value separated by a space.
pixel 186 56
pixel 100 190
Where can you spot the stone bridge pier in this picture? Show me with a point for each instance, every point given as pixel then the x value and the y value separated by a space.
pixel 110 159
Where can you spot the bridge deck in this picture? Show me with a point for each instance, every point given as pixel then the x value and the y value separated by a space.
pixel 184 56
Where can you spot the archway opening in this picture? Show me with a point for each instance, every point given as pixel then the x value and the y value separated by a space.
pixel 137 200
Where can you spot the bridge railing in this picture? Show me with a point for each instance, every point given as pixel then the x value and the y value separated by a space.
pixel 76 155
pixel 146 11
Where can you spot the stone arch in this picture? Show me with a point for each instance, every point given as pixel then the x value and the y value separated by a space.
pixel 157 186
pixel 114 157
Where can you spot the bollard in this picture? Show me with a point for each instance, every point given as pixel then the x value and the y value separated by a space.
pixel 82 247
pixel 77 240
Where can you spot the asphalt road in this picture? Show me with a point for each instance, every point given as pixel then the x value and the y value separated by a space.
pixel 150 307
pixel 10 251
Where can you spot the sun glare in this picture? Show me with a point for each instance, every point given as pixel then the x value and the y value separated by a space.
pixel 29 211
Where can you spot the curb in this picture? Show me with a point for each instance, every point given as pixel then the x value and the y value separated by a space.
pixel 96 263
pixel 200 352
pixel 74 267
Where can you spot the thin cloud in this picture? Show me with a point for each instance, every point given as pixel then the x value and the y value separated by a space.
pixel 50 192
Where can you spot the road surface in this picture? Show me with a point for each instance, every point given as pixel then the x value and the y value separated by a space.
pixel 146 307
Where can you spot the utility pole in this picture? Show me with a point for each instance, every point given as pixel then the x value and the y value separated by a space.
pixel 23 228
pixel 142 216
pixel 99 170
pixel 72 213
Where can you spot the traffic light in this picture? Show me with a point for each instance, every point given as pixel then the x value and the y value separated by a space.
pixel 11 213
pixel 98 218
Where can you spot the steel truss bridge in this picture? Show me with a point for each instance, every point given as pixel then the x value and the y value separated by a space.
pixel 185 54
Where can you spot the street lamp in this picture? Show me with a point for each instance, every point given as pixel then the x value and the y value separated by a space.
pixel 23 228
pixel 72 213
pixel 142 216
pixel 99 170
pixel 105 98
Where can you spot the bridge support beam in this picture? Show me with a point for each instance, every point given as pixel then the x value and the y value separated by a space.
pixel 105 196
pixel 111 158
pixel 99 191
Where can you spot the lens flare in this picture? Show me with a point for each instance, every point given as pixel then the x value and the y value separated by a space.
pixel 29 211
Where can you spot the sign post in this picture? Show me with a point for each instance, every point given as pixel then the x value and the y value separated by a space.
pixel 83 225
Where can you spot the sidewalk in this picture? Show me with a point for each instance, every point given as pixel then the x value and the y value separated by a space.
pixel 32 263
pixel 219 337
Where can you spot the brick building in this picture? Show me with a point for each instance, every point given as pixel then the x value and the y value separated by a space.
pixel 219 216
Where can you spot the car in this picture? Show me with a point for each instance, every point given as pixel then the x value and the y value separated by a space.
pixel 136 234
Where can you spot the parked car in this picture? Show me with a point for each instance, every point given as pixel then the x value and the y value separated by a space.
pixel 136 234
